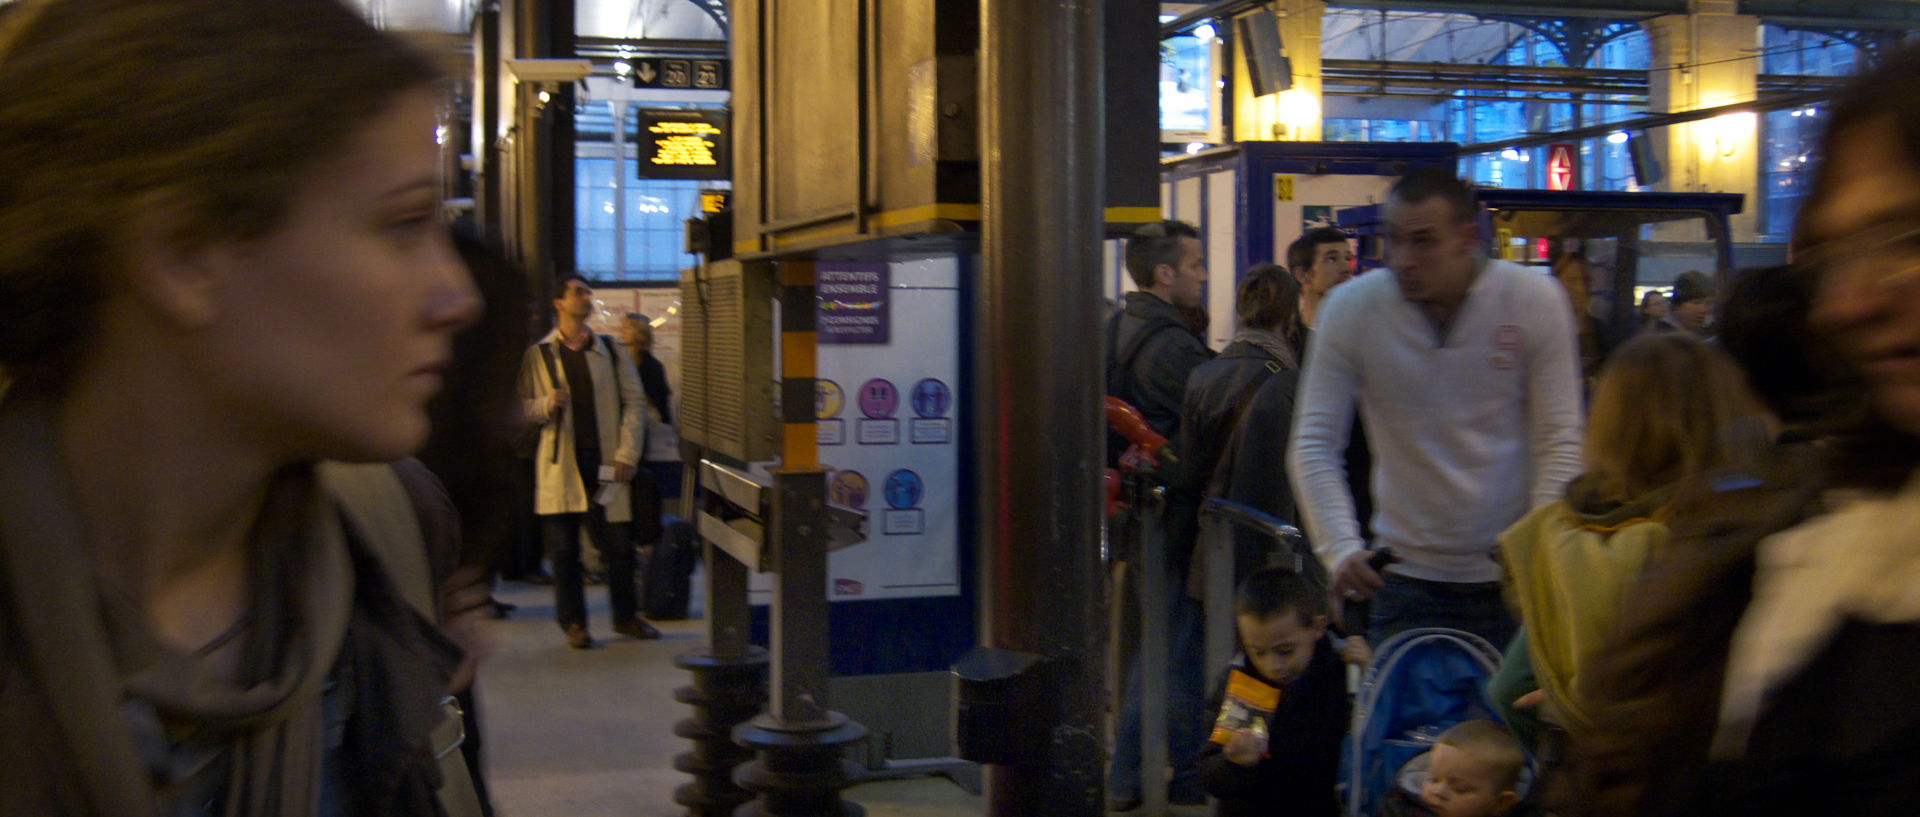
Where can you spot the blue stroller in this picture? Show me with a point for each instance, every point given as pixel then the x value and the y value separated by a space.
pixel 1422 682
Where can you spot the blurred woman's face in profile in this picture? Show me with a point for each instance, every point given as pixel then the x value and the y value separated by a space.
pixel 1866 230
pixel 329 334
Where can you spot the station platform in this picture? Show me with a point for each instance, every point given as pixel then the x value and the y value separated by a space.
pixel 589 733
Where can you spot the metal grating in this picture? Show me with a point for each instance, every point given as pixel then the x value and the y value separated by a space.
pixel 727 358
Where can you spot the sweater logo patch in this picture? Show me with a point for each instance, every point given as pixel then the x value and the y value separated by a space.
pixel 1506 347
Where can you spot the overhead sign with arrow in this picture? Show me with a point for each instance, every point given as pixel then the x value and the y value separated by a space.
pixel 689 74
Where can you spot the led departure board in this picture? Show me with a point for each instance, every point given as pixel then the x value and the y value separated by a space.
pixel 683 144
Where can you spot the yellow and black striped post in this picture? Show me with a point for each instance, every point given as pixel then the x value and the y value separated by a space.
pixel 799 364
pixel 799 771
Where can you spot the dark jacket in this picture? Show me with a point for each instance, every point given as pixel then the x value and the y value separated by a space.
pixel 1151 351
pixel 1250 388
pixel 653 379
pixel 1597 343
pixel 1298 776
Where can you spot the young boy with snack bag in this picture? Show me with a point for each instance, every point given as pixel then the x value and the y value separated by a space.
pixel 1473 770
pixel 1283 708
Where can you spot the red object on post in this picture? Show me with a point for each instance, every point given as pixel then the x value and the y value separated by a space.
pixel 1126 421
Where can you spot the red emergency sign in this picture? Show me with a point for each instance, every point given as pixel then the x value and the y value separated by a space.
pixel 1560 166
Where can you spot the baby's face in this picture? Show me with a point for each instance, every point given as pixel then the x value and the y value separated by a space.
pixel 1460 785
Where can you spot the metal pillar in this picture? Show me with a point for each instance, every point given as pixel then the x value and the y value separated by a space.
pixel 800 769
pixel 1042 81
pixel 729 688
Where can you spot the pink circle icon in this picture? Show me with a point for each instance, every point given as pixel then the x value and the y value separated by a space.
pixel 879 399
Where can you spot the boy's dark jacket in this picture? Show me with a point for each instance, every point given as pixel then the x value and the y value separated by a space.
pixel 1298 776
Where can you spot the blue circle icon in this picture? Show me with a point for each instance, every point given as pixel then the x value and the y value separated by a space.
pixel 931 398
pixel 904 489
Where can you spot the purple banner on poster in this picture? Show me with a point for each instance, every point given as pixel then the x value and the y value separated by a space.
pixel 853 303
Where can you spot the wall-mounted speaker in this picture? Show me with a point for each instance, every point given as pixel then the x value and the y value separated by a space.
pixel 1646 167
pixel 1270 72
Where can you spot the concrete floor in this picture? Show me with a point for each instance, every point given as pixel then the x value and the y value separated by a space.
pixel 589 733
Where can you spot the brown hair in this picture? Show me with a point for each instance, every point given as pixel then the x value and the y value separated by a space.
pixel 208 114
pixel 1437 181
pixel 1669 406
pixel 1492 744
pixel 1300 254
pixel 1154 244
pixel 1269 298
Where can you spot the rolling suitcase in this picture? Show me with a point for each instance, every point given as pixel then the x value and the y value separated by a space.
pixel 666 582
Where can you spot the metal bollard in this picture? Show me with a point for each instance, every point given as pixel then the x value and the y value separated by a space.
pixel 726 692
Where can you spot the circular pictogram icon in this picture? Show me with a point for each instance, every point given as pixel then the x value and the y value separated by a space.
pixel 828 399
pixel 931 399
pixel 848 488
pixel 904 489
pixel 879 399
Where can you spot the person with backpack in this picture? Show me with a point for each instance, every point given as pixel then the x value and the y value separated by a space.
pixel 1238 408
pixel 1151 350
pixel 1667 410
pixel 585 393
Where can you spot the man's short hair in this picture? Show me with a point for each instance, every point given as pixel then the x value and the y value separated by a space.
pixel 1304 250
pixel 560 285
pixel 1273 591
pixel 1437 181
pixel 1692 285
pixel 1268 297
pixel 1154 244
pixel 1492 744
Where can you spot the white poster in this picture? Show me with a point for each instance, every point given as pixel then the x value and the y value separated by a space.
pixel 889 419
pixel 661 306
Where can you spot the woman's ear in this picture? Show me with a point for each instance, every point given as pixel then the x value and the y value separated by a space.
pixel 177 278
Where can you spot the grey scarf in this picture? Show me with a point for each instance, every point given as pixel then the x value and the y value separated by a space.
pixel 1270 343
pixel 74 664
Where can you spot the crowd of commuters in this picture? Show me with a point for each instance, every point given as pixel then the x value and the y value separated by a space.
pixel 1704 581
pixel 1690 535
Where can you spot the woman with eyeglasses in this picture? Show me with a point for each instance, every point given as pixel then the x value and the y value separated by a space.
pixel 1768 668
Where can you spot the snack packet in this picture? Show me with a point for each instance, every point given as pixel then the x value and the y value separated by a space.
pixel 1248 704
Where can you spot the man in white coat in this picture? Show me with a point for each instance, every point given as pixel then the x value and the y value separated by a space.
pixel 583 390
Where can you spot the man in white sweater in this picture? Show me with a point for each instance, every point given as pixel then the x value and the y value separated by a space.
pixel 1467 379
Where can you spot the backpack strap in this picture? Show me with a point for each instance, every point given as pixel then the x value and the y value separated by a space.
pixel 553 379
pixel 376 501
pixel 619 397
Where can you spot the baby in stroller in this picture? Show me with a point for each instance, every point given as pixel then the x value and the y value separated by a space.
pixel 1473 770
pixel 1421 718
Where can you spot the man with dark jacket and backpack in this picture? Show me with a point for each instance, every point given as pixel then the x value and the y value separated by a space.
pixel 1150 352
pixel 1150 349
pixel 583 390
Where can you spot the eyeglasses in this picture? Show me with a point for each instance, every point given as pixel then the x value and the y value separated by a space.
pixel 1887 255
